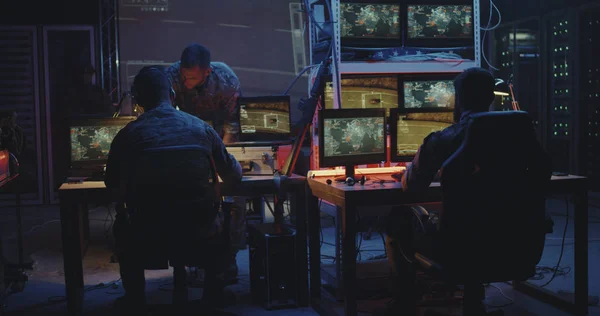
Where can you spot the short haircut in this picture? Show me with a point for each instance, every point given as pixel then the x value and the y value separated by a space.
pixel 151 86
pixel 474 89
pixel 195 55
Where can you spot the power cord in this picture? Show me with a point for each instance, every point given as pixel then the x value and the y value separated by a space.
pixel 510 300
pixel 488 28
pixel 562 248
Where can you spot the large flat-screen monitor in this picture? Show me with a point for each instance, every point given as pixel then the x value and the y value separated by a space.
pixel 365 92
pixel 91 139
pixel 428 92
pixel 351 137
pixel 366 23
pixel 265 118
pixel 408 129
pixel 439 24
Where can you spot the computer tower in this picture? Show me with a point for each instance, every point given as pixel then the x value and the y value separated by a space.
pixel 273 279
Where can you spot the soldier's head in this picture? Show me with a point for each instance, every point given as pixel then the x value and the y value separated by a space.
pixel 151 87
pixel 474 90
pixel 195 65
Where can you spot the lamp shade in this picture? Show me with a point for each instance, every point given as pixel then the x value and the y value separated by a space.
pixel 501 87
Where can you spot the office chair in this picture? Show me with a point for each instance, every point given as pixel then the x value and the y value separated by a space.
pixel 173 197
pixel 492 226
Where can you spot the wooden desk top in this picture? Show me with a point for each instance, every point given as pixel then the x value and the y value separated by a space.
pixel 246 180
pixel 390 192
pixel 96 191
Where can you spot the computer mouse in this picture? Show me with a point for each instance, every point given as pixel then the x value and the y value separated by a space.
pixel 350 181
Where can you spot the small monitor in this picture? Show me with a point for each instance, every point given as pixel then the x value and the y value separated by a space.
pixel 351 137
pixel 409 128
pixel 370 23
pixel 428 92
pixel 91 139
pixel 365 92
pixel 439 25
pixel 265 118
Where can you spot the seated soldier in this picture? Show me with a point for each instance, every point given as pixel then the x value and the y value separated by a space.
pixel 153 92
pixel 408 231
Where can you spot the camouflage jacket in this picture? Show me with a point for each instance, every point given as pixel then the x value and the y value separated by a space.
pixel 161 127
pixel 216 101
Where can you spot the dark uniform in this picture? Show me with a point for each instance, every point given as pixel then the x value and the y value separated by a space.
pixel 214 102
pixel 162 126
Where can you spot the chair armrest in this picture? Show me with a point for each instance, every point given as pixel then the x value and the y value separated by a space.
pixel 431 267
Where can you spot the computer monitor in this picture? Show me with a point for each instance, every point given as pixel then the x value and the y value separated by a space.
pixel 365 92
pixel 367 23
pixel 351 137
pixel 428 92
pixel 265 118
pixel 439 24
pixel 90 139
pixel 409 127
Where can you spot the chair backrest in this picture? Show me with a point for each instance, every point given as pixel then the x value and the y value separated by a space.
pixel 494 198
pixel 173 195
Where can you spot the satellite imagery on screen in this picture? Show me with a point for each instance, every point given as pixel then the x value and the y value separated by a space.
pixel 263 117
pixel 92 142
pixel 447 21
pixel 414 127
pixel 353 136
pixel 370 20
pixel 366 93
pixel 429 94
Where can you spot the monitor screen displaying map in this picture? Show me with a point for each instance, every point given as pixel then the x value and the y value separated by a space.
pixel 419 94
pixel 365 92
pixel 409 129
pixel 440 21
pixel 350 137
pixel 265 118
pixel 369 20
pixel 91 139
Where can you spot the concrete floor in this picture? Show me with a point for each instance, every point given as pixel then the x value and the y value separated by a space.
pixel 43 293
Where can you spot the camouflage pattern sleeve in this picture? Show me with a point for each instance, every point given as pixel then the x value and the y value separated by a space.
pixel 229 101
pixel 232 126
pixel 176 83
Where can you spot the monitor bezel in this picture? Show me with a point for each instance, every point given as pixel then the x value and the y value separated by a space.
pixel 423 77
pixel 393 128
pixel 440 42
pixel 372 42
pixel 349 160
pixel 265 136
pixel 95 121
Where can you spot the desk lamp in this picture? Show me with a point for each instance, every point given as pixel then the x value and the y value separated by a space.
pixel 502 89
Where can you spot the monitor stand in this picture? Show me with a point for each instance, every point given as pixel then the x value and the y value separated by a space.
pixel 350 174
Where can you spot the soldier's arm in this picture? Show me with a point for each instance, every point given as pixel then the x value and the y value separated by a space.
pixel 231 126
pixel 228 167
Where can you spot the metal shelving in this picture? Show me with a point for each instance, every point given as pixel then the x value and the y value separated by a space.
pixel 339 68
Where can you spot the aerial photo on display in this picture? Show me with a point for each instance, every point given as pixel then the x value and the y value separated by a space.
pixel 353 136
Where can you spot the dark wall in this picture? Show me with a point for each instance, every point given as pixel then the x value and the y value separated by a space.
pixel 513 10
pixel 36 12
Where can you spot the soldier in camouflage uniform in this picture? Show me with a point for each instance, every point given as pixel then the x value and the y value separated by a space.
pixel 210 91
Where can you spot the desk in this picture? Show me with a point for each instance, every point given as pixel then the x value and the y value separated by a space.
pixel 74 195
pixel 349 198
